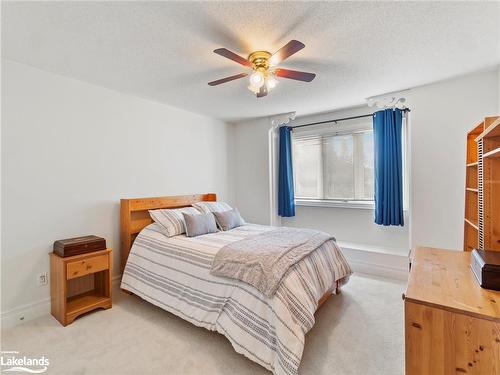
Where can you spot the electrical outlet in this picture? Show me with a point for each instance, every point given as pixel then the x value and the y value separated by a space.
pixel 43 279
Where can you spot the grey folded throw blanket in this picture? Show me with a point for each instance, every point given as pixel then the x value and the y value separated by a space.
pixel 263 260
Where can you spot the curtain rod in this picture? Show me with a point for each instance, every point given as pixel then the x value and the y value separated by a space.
pixel 340 119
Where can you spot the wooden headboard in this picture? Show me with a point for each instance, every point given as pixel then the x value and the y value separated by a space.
pixel 134 215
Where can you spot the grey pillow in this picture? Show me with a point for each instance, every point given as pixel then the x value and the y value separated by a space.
pixel 229 219
pixel 199 224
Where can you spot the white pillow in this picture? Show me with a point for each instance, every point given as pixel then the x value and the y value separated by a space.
pixel 172 221
pixel 207 207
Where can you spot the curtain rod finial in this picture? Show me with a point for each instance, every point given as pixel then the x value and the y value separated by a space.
pixel 282 119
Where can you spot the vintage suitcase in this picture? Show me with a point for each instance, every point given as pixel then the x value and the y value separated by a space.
pixel 486 267
pixel 79 245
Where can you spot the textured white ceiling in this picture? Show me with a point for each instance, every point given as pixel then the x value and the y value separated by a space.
pixel 163 50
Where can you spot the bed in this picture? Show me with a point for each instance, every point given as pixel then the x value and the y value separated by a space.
pixel 174 274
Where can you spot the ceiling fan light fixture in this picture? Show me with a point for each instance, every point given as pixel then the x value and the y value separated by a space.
pixel 262 79
pixel 271 82
pixel 257 79
pixel 253 88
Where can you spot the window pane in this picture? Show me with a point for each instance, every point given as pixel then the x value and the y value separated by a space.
pixel 338 164
pixel 364 165
pixel 307 168
pixel 334 166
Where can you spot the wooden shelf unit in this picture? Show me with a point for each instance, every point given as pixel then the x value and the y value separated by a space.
pixel 483 155
pixel 471 229
pixel 491 128
pixel 80 284
pixel 493 153
pixel 490 138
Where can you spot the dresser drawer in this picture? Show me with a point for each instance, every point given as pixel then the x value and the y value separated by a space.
pixel 86 266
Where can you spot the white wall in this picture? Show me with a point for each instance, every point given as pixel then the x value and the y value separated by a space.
pixel 441 115
pixel 251 171
pixel 71 150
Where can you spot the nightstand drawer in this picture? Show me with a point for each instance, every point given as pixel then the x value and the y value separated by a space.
pixel 86 266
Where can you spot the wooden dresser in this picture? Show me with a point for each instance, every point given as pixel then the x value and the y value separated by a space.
pixel 452 325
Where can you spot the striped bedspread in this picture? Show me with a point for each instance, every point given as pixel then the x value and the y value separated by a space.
pixel 174 274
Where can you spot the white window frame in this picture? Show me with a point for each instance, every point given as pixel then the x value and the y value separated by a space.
pixel 356 204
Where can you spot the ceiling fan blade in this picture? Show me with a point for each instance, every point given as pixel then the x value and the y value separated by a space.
pixel 295 74
pixel 286 51
pixel 232 56
pixel 227 79
pixel 262 92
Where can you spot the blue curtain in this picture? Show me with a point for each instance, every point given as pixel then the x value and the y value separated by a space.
pixel 286 198
pixel 387 132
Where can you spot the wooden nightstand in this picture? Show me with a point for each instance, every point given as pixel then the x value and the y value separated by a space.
pixel 79 284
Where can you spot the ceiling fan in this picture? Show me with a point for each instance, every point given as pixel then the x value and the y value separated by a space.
pixel 263 76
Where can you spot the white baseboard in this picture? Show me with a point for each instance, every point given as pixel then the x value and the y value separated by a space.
pixel 376 270
pixel 372 260
pixel 30 311
pixel 24 313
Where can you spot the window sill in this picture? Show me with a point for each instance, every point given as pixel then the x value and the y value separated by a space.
pixel 365 205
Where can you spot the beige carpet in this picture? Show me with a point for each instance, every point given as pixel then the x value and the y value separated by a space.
pixel 357 332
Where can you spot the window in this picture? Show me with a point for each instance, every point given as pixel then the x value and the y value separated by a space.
pixel 334 167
